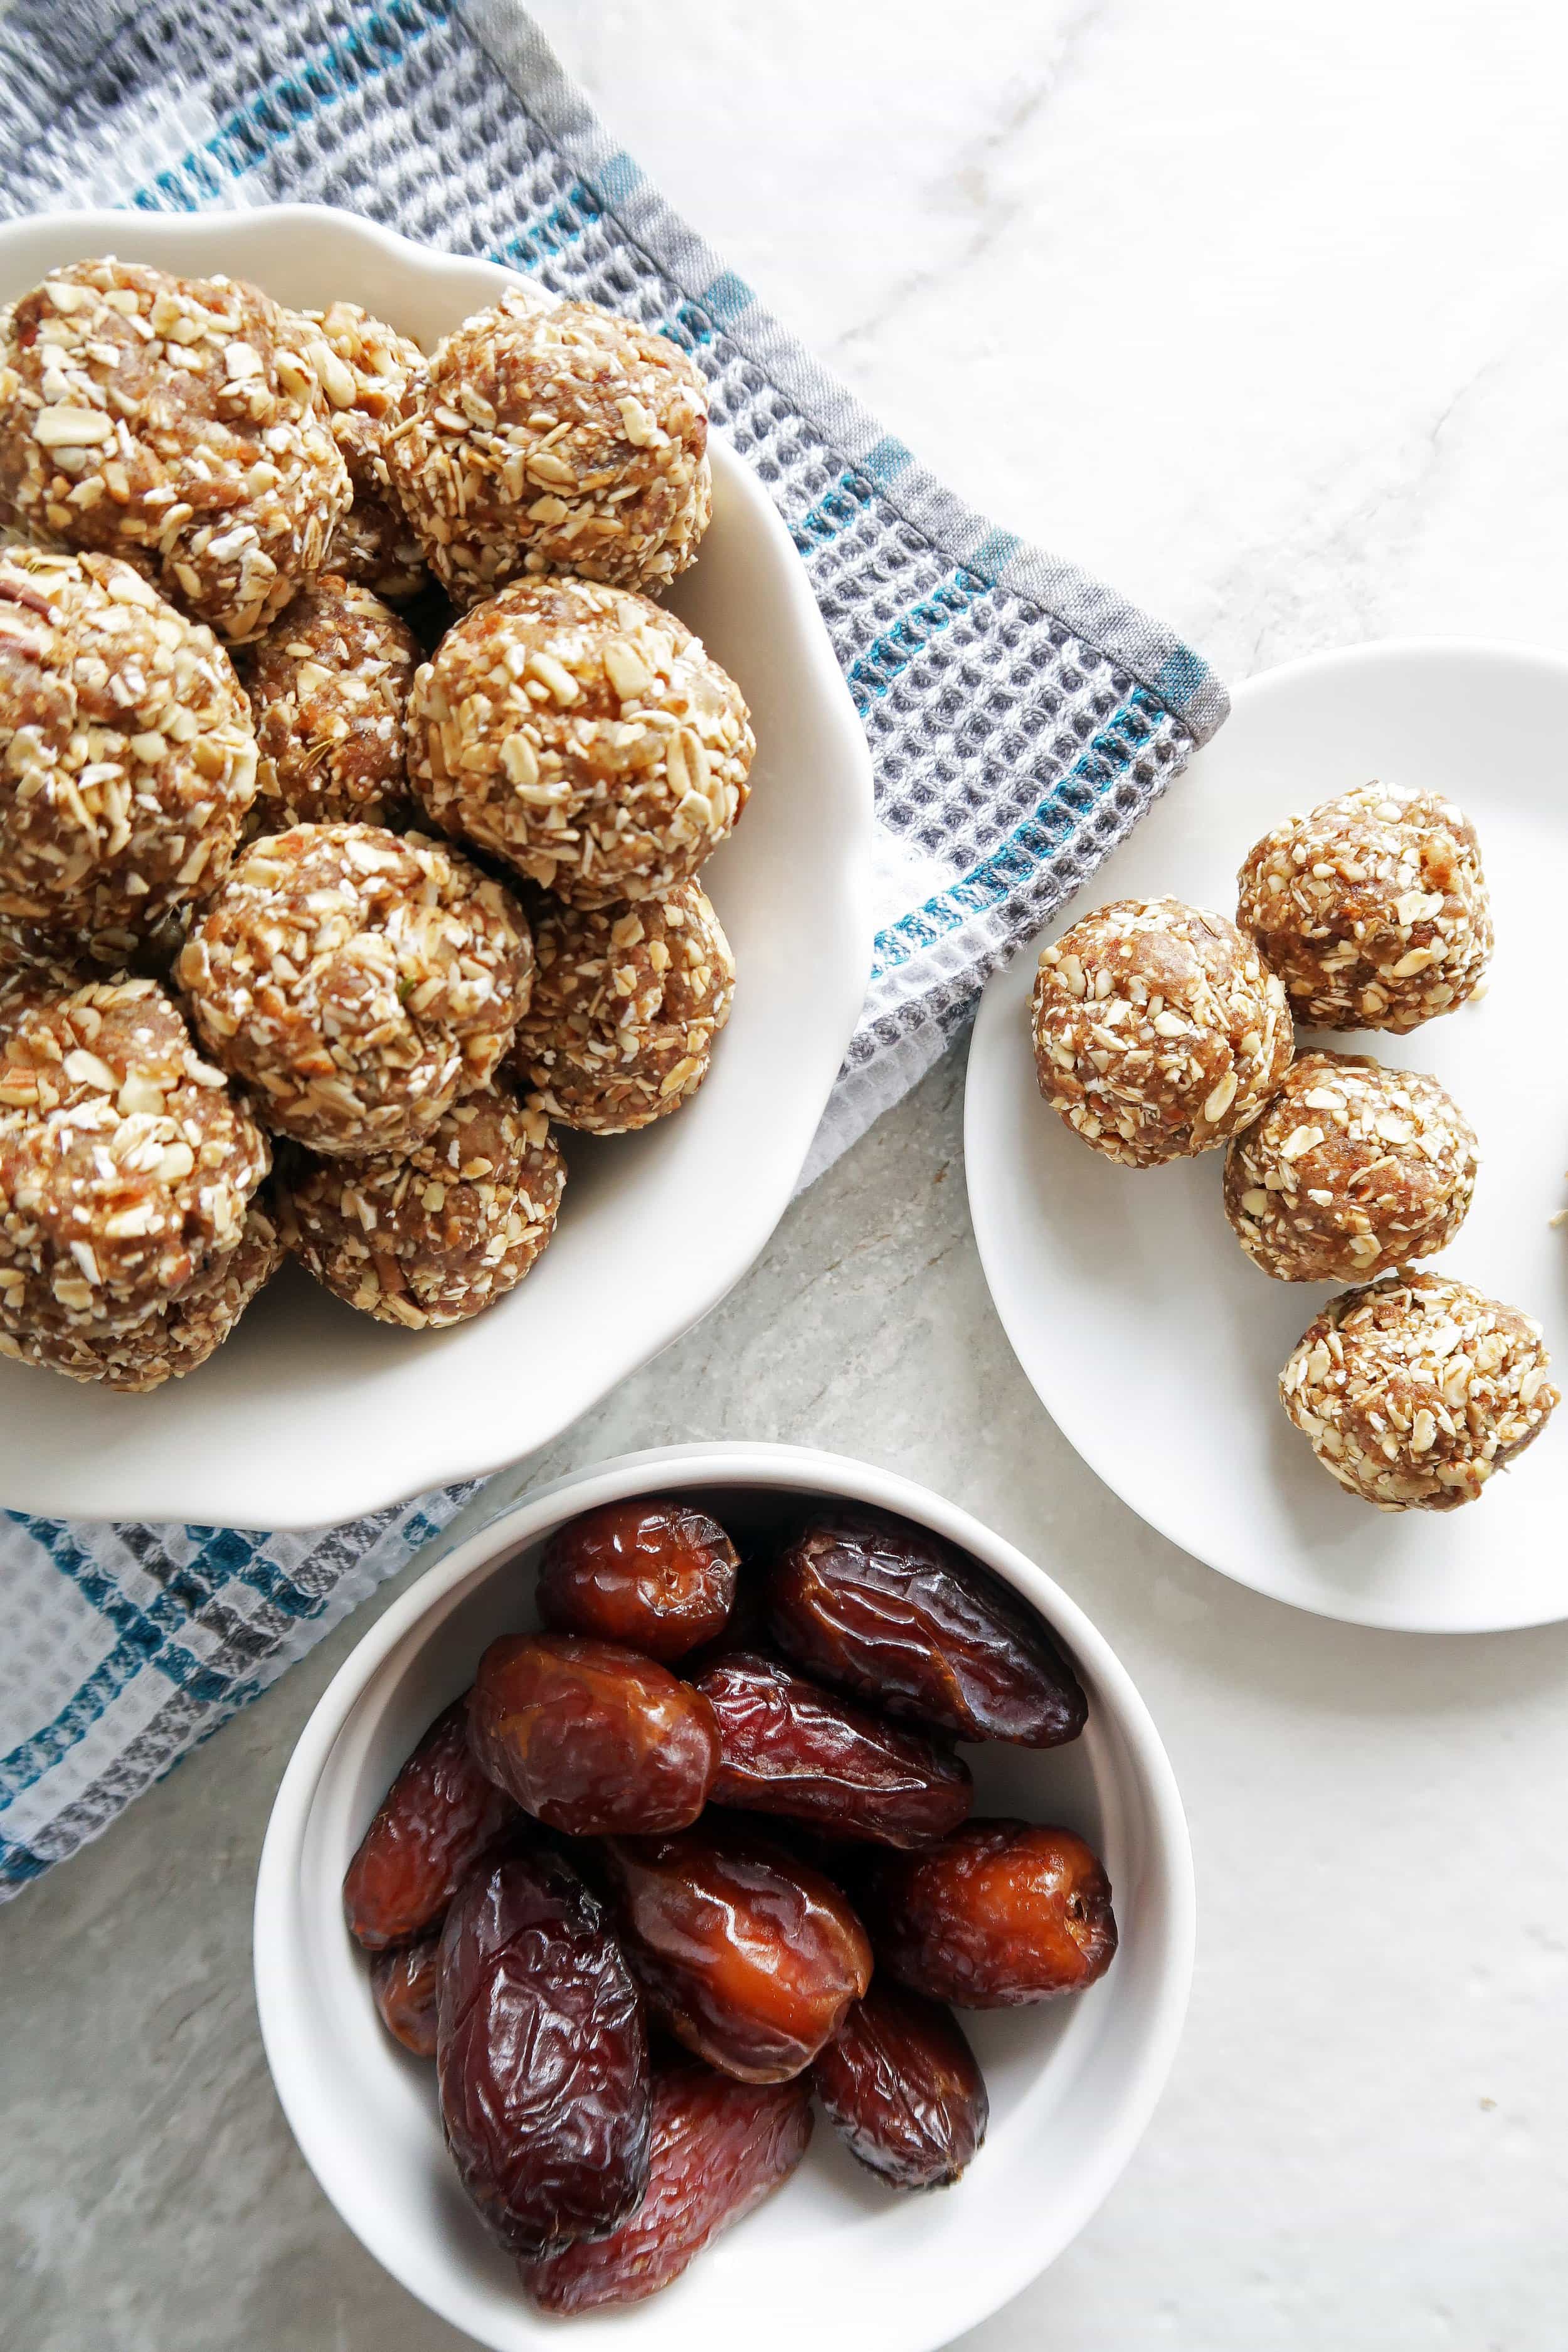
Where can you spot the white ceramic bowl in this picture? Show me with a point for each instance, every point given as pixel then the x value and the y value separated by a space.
pixel 835 2260
pixel 314 1413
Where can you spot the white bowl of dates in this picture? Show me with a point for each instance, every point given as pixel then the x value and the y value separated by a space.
pixel 731 1820
pixel 359 768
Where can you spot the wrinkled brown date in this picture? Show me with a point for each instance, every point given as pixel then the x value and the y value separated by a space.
pixel 1001 1913
pixel 590 1738
pixel 656 1575
pixel 403 1982
pixel 903 2086
pixel 785 1747
pixel 541 2056
pixel 890 1611
pixel 436 1822
pixel 719 2147
pixel 750 1956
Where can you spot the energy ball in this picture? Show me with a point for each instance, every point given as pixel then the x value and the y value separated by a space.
pixel 173 1339
pixel 357 983
pixel 126 758
pixel 126 1167
pixel 328 693
pixel 440 1235
pixel 1414 1392
pixel 1159 1030
pixel 583 735
pixel 1374 910
pixel 176 422
pixel 627 1003
pixel 554 437
pixel 365 368
pixel 1350 1169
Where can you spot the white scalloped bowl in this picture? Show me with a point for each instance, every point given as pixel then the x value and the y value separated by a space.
pixel 835 2258
pixel 313 1413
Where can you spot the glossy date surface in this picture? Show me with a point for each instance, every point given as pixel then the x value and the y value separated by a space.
pixel 541 2056
pixel 720 2147
pixel 785 1747
pixel 750 1956
pixel 402 1982
pixel 1001 1914
pixel 590 1738
pixel 902 2084
pixel 434 1826
pixel 885 1610
pixel 656 1575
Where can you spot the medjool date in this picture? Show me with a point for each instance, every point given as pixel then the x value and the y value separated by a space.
pixel 903 2086
pixel 719 2147
pixel 748 1957
pixel 590 1738
pixel 403 1982
pixel 438 1818
pixel 656 1575
pixel 541 2056
pixel 893 1613
pixel 1000 1913
pixel 785 1747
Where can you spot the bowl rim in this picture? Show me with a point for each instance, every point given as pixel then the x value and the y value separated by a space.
pixel 281 1980
pixel 361 1481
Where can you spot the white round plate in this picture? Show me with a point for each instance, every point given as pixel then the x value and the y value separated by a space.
pixel 1152 1341
pixel 314 1413
pixel 835 2260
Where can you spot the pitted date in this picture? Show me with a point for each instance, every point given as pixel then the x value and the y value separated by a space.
pixel 719 2147
pixel 1000 1913
pixel 785 1747
pixel 590 1738
pixel 902 2084
pixel 403 1982
pixel 440 1817
pixel 541 2056
pixel 656 1575
pixel 889 1611
pixel 748 1957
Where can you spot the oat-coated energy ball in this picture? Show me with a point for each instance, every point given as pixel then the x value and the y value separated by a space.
pixel 173 1339
pixel 554 437
pixel 176 422
pixel 1373 909
pixel 627 1002
pixel 126 1166
pixel 357 983
pixel 1159 1030
pixel 583 735
pixel 328 693
pixel 1350 1169
pixel 364 367
pixel 127 759
pixel 438 1236
pixel 1414 1391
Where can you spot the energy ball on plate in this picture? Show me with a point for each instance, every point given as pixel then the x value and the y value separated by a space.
pixel 173 1339
pixel 1374 910
pixel 583 735
pixel 1412 1392
pixel 126 758
pixel 357 983
pixel 554 437
pixel 126 1166
pixel 365 368
pixel 1159 1030
pixel 176 422
pixel 1350 1170
pixel 627 1003
pixel 329 691
pixel 440 1235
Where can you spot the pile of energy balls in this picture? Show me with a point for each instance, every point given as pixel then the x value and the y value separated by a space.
pixel 287 609
pixel 1160 1031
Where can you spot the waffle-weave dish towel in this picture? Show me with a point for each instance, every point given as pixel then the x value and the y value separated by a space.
pixel 1021 716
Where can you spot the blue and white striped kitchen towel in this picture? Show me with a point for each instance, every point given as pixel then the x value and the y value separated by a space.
pixel 1021 716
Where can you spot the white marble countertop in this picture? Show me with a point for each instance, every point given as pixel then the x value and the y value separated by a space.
pixel 1260 309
